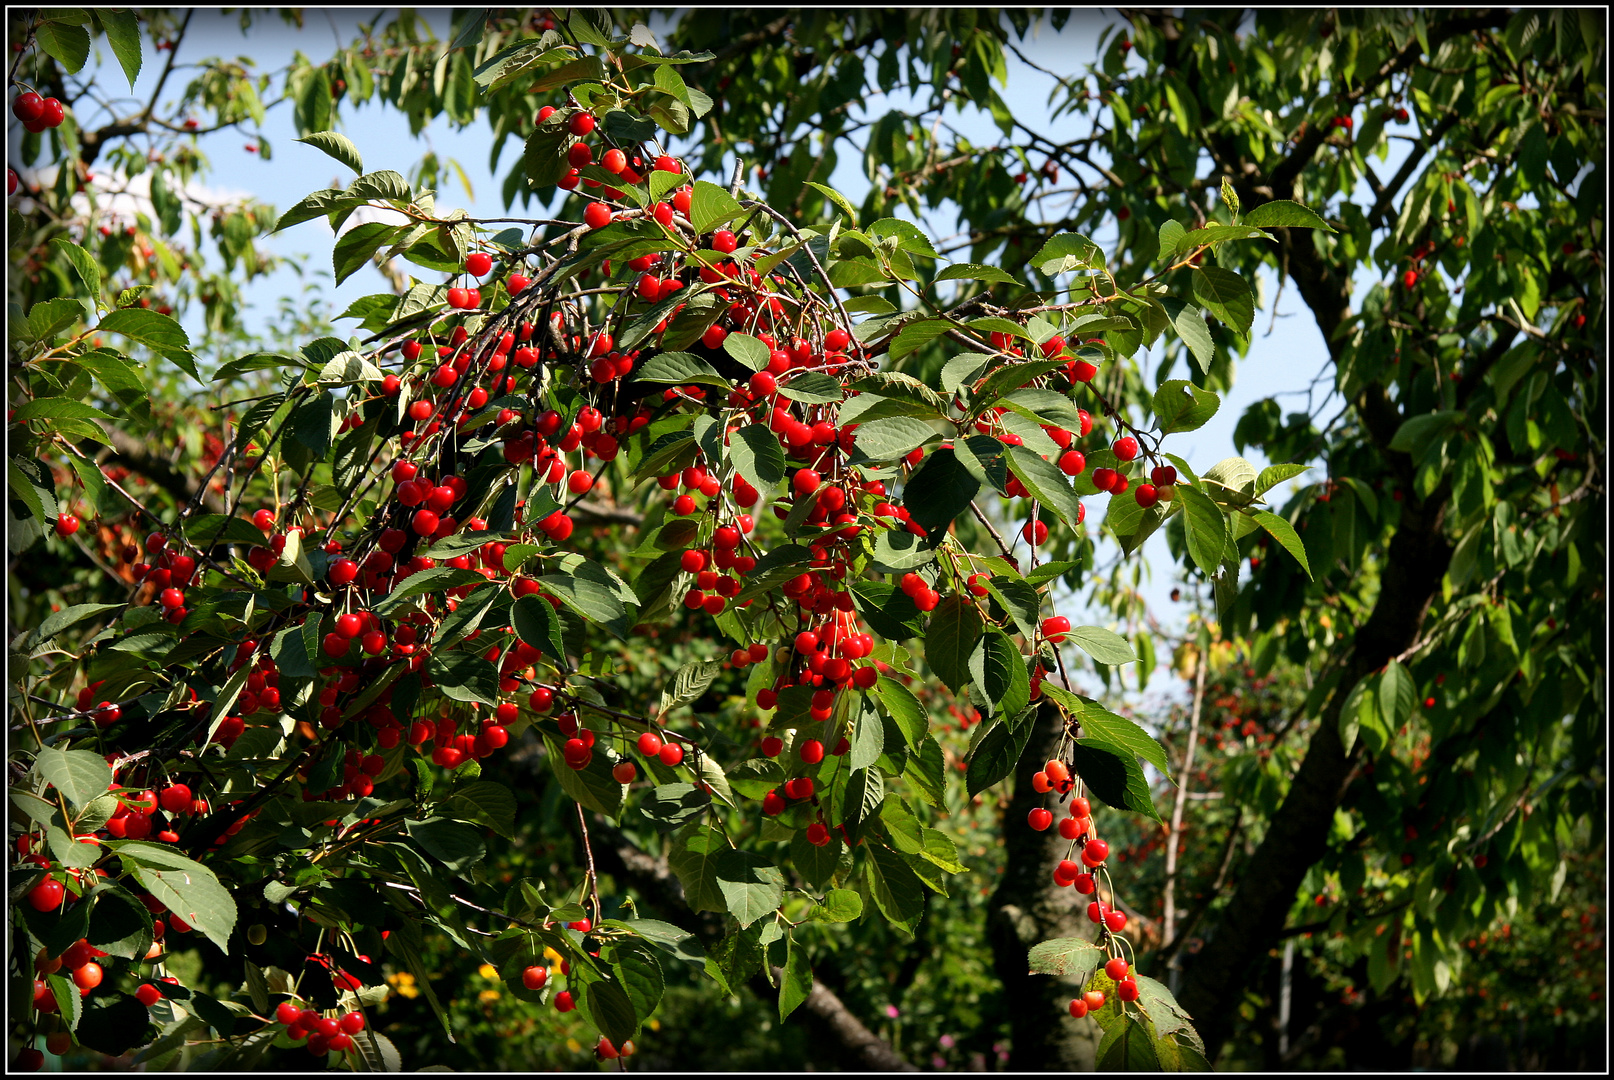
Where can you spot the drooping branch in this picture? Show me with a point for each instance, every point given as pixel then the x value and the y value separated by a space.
pixel 661 887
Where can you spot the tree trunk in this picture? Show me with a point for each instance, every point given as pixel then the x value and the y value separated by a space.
pixel 1297 834
pixel 1027 908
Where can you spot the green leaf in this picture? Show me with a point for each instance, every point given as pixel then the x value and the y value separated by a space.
pixel 338 146
pixel 156 330
pixel 837 198
pixel 938 491
pixel 1397 695
pixel 60 621
pixel 838 906
pixel 65 43
pixel 1113 774
pixel 1285 213
pixel 998 671
pixel 453 843
pixel 679 368
pixel 752 887
pixel 1070 957
pixel 1225 295
pixel 688 684
pixel 797 982
pixel 1106 726
pixel 743 347
pixel 1179 405
pixel 816 865
pixel 757 456
pixel 189 889
pixel 57 408
pixel 83 263
pixel 954 628
pixel 1065 252
pixel 977 272
pixel 893 437
pixel 355 248
pixel 694 860
pixel 812 388
pixel 896 889
pixel 113 1023
pixel 1217 233
pixel 486 802
pixel 1284 533
pixel 1128 1047
pixel 1170 235
pixel 120 925
pixel 1190 326
pixel 639 974
pixel 437 579
pixel 1105 646
pixel 666 937
pixel 999 750
pixel 593 785
pixel 123 34
pixel 1206 527
pixel 80 775
pixel 537 624
pixel 1046 483
pixel 611 1011
pixel 711 206
pixel 867 738
pixel 865 791
pixel 900 704
pixel 1273 475
pixel 671 805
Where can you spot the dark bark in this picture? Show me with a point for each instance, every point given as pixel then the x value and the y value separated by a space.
pixel 1027 908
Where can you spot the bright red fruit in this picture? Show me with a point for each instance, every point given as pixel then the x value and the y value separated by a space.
pixel 478 264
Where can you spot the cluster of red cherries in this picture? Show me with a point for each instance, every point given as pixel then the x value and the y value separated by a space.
pixel 1082 875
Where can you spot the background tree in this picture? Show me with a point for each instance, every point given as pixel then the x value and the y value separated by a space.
pixel 1461 510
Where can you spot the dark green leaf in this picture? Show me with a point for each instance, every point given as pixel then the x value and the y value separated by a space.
pixel 954 628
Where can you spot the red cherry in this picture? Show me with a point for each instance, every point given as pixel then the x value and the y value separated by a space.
pixel 47 895
pixel 1095 852
pixel 28 107
pixel 1116 921
pixel 811 752
pixel 478 264
pixel 614 161
pixel 533 978
pixel 597 215
pixel 175 798
pixel 649 743
pixel 1040 819
pixel 66 525
pixel 1125 448
pixel 581 124
pixel 52 115
pixel 671 755
pixel 1117 968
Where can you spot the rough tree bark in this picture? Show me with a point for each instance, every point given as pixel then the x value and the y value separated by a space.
pixel 1027 908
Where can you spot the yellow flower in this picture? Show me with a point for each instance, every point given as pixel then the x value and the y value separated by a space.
pixel 488 971
pixel 653 1024
pixel 552 956
pixel 487 996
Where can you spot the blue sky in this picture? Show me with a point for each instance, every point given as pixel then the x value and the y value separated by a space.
pixel 1283 361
